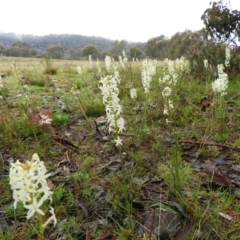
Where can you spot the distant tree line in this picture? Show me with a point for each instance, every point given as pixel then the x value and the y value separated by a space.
pixel 80 47
pixel 18 49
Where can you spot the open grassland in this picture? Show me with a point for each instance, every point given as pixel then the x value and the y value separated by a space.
pixel 157 158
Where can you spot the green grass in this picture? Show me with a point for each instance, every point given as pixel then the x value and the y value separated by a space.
pixel 100 189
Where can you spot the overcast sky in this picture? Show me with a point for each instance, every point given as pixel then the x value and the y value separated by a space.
pixel 131 20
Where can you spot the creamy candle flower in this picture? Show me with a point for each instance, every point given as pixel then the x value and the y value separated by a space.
pixel 28 182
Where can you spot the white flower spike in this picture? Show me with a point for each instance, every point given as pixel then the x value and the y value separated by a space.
pixel 29 184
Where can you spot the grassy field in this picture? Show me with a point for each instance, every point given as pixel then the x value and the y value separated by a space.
pixel 135 150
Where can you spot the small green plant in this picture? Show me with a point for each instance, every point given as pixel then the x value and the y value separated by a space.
pixel 219 137
pixel 237 142
pixel 70 224
pixel 5 235
pixel 37 82
pixel 60 118
pixel 19 211
pixel 94 109
pixel 4 92
pixel 48 64
pixel 50 70
pixel 78 84
pixel 176 173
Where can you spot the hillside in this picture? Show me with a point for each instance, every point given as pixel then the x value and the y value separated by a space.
pixel 66 40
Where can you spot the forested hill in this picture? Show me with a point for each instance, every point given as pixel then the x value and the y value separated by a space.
pixel 73 46
pixel 65 46
pixel 67 41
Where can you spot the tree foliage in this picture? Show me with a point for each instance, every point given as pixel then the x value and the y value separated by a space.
pixel 21 44
pixel 180 43
pixel 55 51
pixel 222 23
pixel 204 49
pixel 135 52
pixel 18 49
pixel 119 47
pixel 222 26
pixel 157 47
pixel 177 46
pixel 90 50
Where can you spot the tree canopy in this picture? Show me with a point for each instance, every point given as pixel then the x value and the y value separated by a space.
pixel 55 51
pixel 222 23
pixel 90 49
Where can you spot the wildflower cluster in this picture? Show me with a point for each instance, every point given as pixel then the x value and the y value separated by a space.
pixel 29 185
pixel 133 93
pixel 227 56
pixel 108 63
pixel 74 90
pixel 98 66
pixel 135 60
pixel 182 64
pixel 166 92
pixel 90 61
pixel 205 62
pixel 171 76
pixel 79 70
pixel 110 91
pixel 124 56
pixel 168 104
pixel 221 83
pixel 123 60
pixel 55 85
pixel 172 73
pixel 149 70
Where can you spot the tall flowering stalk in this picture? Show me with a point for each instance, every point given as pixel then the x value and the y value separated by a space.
pixel 221 83
pixel 182 65
pixel 133 93
pixel 124 56
pixel 108 63
pixel 28 182
pixel 79 70
pixel 219 87
pixel 123 60
pixel 227 56
pixel 98 66
pixel 172 72
pixel 169 79
pixel 168 104
pixel 205 62
pixel 76 92
pixel 149 70
pixel 170 76
pixel 110 91
pixel 90 61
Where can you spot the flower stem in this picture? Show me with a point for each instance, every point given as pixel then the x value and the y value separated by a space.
pixel 40 226
pixel 83 112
